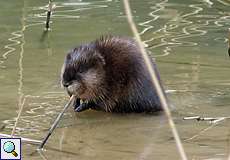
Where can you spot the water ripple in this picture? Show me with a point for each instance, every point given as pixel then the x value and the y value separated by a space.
pixel 180 28
pixel 38 113
pixel 156 8
pixel 39 110
pixel 34 19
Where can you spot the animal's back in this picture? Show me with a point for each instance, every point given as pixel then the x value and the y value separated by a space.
pixel 129 82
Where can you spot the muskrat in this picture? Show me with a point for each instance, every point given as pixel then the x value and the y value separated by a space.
pixel 109 74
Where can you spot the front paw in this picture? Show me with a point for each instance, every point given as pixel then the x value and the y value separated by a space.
pixel 77 103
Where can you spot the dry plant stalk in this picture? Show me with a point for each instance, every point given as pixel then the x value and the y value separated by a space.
pixel 52 128
pixel 229 41
pixel 155 81
pixel 49 12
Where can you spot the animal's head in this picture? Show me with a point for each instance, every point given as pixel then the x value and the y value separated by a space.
pixel 83 72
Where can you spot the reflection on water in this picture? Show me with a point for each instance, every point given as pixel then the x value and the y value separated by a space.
pixel 38 113
pixel 189 41
pixel 181 27
pixel 33 19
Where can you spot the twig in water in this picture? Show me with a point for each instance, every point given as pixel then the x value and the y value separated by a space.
pixel 210 119
pixel 56 122
pixel 228 144
pixel 155 81
pixel 49 12
pixel 229 41
pixel 21 98
pixel 26 140
pixel 18 117
pixel 214 121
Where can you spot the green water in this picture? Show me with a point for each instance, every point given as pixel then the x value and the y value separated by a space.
pixel 188 38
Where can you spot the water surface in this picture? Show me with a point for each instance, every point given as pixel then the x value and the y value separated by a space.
pixel 188 40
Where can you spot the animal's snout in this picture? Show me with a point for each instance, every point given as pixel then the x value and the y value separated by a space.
pixel 67 84
pixel 73 88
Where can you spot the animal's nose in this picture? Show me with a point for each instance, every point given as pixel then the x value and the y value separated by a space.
pixel 66 84
pixel 71 89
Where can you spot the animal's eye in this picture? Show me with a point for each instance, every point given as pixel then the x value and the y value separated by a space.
pixel 85 67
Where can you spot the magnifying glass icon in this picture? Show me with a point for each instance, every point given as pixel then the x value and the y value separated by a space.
pixel 9 147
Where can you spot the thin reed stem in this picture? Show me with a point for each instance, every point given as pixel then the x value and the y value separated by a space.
pixel 155 81
pixel 21 99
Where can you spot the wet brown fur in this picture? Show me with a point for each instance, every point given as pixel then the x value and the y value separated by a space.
pixel 120 81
